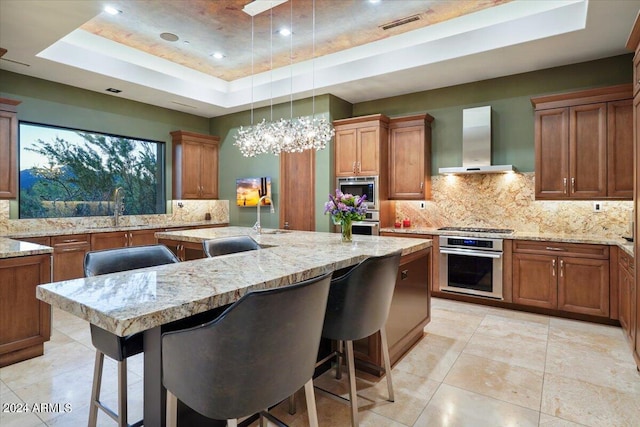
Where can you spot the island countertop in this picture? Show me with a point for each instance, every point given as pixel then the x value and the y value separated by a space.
pixel 135 301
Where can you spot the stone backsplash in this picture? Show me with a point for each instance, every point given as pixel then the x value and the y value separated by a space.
pixel 190 211
pixel 507 201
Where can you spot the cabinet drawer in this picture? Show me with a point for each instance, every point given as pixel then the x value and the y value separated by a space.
pixel 583 250
pixel 626 262
pixel 636 72
pixel 70 239
pixel 45 240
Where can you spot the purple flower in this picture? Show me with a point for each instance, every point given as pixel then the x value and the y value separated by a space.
pixel 346 206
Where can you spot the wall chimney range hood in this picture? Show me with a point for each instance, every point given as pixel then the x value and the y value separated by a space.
pixel 476 144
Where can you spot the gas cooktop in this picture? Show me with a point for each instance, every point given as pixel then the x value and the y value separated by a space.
pixel 478 230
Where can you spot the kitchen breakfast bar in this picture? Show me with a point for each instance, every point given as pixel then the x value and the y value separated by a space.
pixel 149 300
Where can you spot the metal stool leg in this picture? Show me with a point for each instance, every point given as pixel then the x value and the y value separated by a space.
pixel 339 359
pixel 95 389
pixel 311 403
pixel 353 397
pixel 172 410
pixel 292 404
pixel 387 362
pixel 122 393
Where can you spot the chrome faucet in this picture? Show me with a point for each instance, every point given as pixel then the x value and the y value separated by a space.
pixel 257 225
pixel 118 209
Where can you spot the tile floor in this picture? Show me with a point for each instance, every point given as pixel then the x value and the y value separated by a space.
pixel 476 366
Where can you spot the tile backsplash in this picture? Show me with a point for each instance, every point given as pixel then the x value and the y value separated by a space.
pixel 507 201
pixel 190 211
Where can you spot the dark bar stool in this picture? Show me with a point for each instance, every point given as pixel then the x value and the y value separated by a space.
pixel 358 306
pixel 106 343
pixel 258 352
pixel 229 245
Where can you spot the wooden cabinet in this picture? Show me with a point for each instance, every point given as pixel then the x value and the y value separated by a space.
pixel 627 295
pixel 25 322
pixel 361 145
pixel 121 239
pixel 410 157
pixel 8 149
pixel 562 276
pixel 68 256
pixel 583 144
pixel 195 165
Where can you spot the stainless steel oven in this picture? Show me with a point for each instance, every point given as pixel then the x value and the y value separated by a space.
pixel 361 185
pixel 370 226
pixel 471 265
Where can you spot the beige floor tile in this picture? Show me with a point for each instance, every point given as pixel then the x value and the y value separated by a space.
pixel 3 388
pixel 513 349
pixel 428 361
pixel 575 362
pixel 452 406
pixel 595 339
pixel 549 421
pixel 499 380
pixel 17 413
pixel 591 405
pixel 461 327
pixel 506 327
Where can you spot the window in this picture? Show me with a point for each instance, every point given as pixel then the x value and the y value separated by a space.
pixel 74 173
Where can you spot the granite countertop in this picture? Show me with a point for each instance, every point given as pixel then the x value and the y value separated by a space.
pixel 523 235
pixel 89 229
pixel 129 302
pixel 10 248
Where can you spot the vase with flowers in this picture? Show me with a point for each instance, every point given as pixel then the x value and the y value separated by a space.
pixel 344 209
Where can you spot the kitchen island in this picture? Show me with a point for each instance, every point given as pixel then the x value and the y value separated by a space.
pixel 151 298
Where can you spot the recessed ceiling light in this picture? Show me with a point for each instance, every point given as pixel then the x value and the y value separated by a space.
pixel 186 42
pixel 374 1
pixel 217 55
pixel 170 37
pixel 112 10
pixel 284 32
pixel 113 90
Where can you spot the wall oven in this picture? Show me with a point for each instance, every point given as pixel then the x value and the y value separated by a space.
pixel 471 265
pixel 361 185
pixel 370 226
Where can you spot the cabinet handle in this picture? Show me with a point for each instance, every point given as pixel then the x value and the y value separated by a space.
pixel 564 185
pixel 573 185
pixel 353 168
pixel 359 167
pixel 126 239
pixel 561 268
pixel 550 248
pixel 75 249
pixel 421 185
pixel 553 268
pixel 71 240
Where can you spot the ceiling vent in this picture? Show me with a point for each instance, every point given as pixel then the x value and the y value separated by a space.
pixel 400 22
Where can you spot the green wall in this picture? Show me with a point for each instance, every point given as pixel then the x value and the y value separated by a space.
pixel 233 165
pixel 67 106
pixel 509 97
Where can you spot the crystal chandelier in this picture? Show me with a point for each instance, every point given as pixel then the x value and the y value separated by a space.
pixel 289 136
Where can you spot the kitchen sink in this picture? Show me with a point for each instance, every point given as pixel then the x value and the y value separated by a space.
pixel 276 231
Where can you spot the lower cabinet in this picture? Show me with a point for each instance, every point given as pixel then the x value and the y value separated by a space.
pixel 121 239
pixel 25 321
pixel 185 251
pixel 627 295
pixel 409 313
pixel 68 256
pixel 562 276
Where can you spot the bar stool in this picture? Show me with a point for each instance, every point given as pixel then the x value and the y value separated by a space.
pixel 258 352
pixel 358 306
pixel 106 343
pixel 229 245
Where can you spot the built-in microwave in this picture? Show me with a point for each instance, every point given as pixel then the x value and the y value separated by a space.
pixel 361 185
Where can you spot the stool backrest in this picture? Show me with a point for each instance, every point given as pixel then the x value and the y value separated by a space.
pixel 259 351
pixel 124 259
pixel 359 301
pixel 229 245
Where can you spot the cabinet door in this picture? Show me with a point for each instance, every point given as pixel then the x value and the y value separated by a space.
pixel 583 286
pixel 624 298
pixel 110 240
pixel 346 152
pixel 588 150
pixel 191 162
pixel 68 256
pixel 25 322
pixel 297 176
pixel 142 237
pixel 407 162
pixel 552 153
pixel 535 280
pixel 8 159
pixel 368 158
pixel 209 171
pixel 620 149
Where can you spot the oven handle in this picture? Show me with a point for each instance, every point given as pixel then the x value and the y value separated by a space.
pixel 470 253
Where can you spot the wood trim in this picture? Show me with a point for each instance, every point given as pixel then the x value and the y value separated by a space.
pixel 373 118
pixel 2 51
pixel 614 284
pixel 10 105
pixel 634 36
pixel 179 135
pixel 507 270
pixel 415 120
pixel 589 96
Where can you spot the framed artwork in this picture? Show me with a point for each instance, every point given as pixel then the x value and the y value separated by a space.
pixel 250 190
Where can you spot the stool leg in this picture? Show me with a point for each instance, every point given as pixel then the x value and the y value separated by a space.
pixel 353 397
pixel 172 410
pixel 339 359
pixel 95 389
pixel 122 393
pixel 311 403
pixel 292 404
pixel 387 362
pixel 232 423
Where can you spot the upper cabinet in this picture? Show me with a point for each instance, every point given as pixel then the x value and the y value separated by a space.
pixel 361 144
pixel 195 165
pixel 584 144
pixel 8 149
pixel 410 157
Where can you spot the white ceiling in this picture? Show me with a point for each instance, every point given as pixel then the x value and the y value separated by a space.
pixel 43 40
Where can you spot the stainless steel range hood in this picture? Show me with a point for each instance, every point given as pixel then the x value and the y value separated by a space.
pixel 476 144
